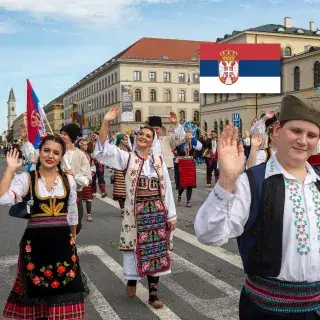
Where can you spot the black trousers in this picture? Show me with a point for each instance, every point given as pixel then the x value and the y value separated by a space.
pixel 211 166
pixel 248 310
pixel 100 176
pixel 80 211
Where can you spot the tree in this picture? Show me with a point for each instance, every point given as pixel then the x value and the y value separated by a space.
pixel 9 136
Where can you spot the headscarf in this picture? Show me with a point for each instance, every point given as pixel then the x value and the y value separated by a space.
pixel 120 136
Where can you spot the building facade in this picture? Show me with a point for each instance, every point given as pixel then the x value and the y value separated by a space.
pixel 163 75
pixel 300 73
pixel 17 125
pixel 11 109
pixel 54 114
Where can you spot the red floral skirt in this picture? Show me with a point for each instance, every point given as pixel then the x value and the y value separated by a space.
pixel 87 192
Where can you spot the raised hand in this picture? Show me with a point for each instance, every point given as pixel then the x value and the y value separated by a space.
pixel 13 160
pixel 231 157
pixel 269 115
pixel 256 140
pixel 111 114
pixel 173 117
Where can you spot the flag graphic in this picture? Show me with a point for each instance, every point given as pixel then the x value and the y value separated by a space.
pixel 240 68
pixel 35 124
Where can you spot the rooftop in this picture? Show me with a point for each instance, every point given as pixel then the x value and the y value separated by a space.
pixel 11 95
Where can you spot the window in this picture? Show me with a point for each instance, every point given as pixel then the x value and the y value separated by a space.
pixel 153 95
pixel 221 126
pixel 296 79
pixel 195 95
pixel 112 79
pixel 99 85
pixel 115 95
pixel 215 97
pixel 152 76
pixel 182 114
pixel 167 95
pixel 316 74
pixel 137 76
pixel 287 52
pixel 215 126
pixel 182 96
pixel 137 95
pixel 196 116
pixel 112 97
pixel 167 77
pixel 115 77
pixel 205 127
pixel 220 96
pixel 109 98
pixel 137 116
pixel 227 97
pixel 109 81
pixel 195 78
pixel 182 77
pixel 227 122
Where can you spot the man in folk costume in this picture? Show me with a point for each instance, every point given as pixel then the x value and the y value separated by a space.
pixel 163 144
pixel 210 154
pixel 273 210
pixel 99 172
pixel 150 213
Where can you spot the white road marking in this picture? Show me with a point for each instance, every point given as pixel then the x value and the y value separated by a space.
pixel 220 253
pixel 219 308
pixel 142 293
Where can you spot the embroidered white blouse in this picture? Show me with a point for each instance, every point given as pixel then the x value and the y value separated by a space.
pixel 20 185
pixel 224 215
pixel 115 158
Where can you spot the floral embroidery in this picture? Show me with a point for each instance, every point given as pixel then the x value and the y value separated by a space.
pixel 52 276
pixel 300 221
pixel 316 200
pixel 217 195
pixel 272 166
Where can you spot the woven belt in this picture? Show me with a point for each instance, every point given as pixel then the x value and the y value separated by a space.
pixel 284 297
pixel 44 222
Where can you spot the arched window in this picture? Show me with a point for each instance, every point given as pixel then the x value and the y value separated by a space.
pixel 262 115
pixel 137 116
pixel 316 74
pixel 182 96
pixel 115 77
pixel 196 116
pixel 109 98
pixel 227 122
pixel 182 114
pixel 205 128
pixel 137 95
pixel 167 95
pixel 287 52
pixel 215 126
pixel 195 95
pixel 112 97
pixel 221 126
pixel 296 79
pixel 153 95
pixel 115 95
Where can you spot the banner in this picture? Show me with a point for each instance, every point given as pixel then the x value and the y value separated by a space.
pixel 127 106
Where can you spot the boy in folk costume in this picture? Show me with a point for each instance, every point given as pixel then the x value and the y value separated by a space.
pixel 273 211
pixel 163 144
pixel 150 213
pixel 210 153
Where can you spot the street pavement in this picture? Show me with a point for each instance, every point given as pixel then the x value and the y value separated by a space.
pixel 205 282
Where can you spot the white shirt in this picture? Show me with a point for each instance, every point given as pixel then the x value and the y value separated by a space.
pixel 224 215
pixel 116 158
pixel 19 188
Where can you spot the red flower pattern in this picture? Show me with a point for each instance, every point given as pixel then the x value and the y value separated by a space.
pixel 61 269
pixel 55 284
pixel 48 273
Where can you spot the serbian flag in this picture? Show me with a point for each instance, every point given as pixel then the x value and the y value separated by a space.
pixel 240 68
pixel 35 125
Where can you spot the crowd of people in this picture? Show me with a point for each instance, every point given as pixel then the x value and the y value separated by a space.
pixel 265 194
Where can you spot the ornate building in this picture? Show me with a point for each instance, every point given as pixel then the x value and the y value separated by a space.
pixel 11 109
pixel 54 113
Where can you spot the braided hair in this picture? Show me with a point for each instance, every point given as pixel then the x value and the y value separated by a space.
pixel 56 139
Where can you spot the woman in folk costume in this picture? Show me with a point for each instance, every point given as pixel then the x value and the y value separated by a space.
pixel 49 283
pixel 119 186
pixel 185 168
pixel 87 194
pixel 273 211
pixel 150 213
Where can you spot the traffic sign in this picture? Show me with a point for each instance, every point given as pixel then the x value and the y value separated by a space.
pixel 236 116
pixel 236 123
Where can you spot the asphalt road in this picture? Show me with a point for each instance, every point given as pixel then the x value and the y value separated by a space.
pixel 205 282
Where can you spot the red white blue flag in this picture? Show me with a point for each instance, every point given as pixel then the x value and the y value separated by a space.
pixel 240 68
pixel 35 124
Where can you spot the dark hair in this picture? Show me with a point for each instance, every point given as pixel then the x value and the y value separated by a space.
pixel 57 139
pixel 151 129
pixel 214 131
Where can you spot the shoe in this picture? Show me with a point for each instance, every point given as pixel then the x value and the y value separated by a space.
pixel 89 218
pixel 179 201
pixel 93 195
pixel 189 205
pixel 209 185
pixel 131 291
pixel 157 304
pixel 104 195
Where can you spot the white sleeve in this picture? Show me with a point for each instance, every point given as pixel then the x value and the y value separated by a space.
pixel 72 203
pixel 198 147
pixel 29 152
pixel 111 155
pixel 18 189
pixel 258 127
pixel 261 157
pixel 83 178
pixel 224 215
pixel 178 136
pixel 169 200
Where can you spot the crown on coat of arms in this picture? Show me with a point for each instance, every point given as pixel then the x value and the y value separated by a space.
pixel 228 55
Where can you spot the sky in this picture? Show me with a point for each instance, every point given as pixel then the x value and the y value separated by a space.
pixel 54 43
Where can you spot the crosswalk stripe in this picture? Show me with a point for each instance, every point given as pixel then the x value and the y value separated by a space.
pixel 219 252
pixel 142 293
